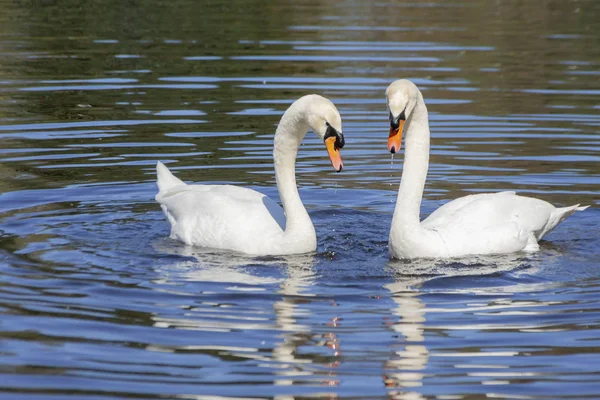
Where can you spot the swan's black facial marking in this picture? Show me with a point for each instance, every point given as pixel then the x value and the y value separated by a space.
pixel 339 137
pixel 395 122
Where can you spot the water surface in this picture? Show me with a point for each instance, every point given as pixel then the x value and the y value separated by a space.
pixel 97 303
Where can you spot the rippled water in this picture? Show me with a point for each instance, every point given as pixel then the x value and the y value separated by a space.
pixel 96 301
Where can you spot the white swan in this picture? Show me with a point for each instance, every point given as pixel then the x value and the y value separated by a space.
pixel 489 223
pixel 244 220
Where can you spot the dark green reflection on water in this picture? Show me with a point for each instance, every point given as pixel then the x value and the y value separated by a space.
pixel 68 62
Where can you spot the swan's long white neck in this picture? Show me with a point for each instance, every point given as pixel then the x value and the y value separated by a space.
pixel 290 132
pixel 414 171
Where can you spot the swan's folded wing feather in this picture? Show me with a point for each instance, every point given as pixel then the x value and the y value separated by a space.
pixel 504 238
pixel 483 211
pixel 211 215
pixel 491 223
pixel 450 211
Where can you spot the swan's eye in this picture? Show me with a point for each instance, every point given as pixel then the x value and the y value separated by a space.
pixel 402 116
pixel 395 122
pixel 339 137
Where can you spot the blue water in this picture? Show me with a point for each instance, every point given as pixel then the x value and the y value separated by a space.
pixel 96 302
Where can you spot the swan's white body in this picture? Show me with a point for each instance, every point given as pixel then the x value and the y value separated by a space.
pixel 244 220
pixel 227 217
pixel 490 223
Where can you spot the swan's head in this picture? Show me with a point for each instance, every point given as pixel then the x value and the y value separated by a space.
pixel 324 119
pixel 402 96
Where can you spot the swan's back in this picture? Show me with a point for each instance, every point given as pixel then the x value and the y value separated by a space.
pixel 491 210
pixel 219 216
pixel 495 223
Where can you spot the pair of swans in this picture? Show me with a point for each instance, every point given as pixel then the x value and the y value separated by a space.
pixel 244 220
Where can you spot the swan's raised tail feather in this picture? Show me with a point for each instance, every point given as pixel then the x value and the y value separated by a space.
pixel 559 215
pixel 165 179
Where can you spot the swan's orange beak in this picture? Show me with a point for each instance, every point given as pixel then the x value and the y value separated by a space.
pixel 395 138
pixel 334 153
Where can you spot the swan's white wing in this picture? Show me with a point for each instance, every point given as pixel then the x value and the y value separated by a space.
pixel 490 223
pixel 222 216
pixel 476 212
pixel 446 211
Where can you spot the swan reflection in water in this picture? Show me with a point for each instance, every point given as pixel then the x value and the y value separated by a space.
pixel 292 278
pixel 403 372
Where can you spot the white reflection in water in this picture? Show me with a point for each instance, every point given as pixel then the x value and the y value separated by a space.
pixel 403 369
pixel 209 265
pixel 403 373
pixel 299 271
pixel 409 358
